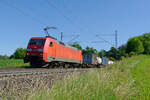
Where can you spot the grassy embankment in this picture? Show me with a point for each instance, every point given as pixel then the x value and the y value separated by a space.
pixel 12 63
pixel 125 80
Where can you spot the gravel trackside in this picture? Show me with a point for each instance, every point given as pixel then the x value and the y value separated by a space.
pixel 19 82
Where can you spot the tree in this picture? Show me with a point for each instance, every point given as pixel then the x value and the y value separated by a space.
pixel 89 50
pixel 131 54
pixel 147 47
pixel 102 53
pixel 76 45
pixel 122 51
pixel 112 53
pixel 134 45
pixel 122 58
pixel 111 58
pixel 4 57
pixel 19 53
pixel 145 38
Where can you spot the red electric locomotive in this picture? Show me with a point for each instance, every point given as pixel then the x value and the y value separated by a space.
pixel 48 50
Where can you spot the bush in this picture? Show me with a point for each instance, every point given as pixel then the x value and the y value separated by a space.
pixel 122 57
pixel 135 45
pixel 131 54
pixel 111 58
pixel 20 53
pixel 126 55
pixel 4 57
pixel 146 47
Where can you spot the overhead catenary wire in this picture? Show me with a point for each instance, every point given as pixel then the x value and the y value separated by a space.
pixel 66 18
pixel 97 42
pixel 70 35
pixel 104 40
pixel 73 39
pixel 114 34
pixel 22 12
pixel 42 23
pixel 107 35
pixel 62 14
pixel 34 18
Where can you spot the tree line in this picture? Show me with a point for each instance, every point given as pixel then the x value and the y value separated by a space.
pixel 19 53
pixel 134 46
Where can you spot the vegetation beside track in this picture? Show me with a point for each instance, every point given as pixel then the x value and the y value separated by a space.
pixel 127 79
pixel 12 63
pixel 141 74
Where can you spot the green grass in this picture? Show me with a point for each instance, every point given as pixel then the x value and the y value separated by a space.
pixel 12 63
pixel 126 80
pixel 141 74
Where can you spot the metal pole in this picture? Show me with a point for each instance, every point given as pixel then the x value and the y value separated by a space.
pixel 116 43
pixel 61 36
pixel 116 39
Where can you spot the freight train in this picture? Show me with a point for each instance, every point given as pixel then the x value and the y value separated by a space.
pixel 48 51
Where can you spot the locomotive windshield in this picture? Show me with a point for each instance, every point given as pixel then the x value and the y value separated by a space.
pixel 37 42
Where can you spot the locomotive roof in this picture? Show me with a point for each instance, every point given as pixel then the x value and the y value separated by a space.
pixel 59 42
pixel 69 46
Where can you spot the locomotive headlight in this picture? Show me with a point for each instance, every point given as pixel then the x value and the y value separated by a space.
pixel 29 49
pixel 40 50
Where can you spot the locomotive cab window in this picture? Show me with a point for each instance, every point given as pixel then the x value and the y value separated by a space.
pixel 40 42
pixel 51 44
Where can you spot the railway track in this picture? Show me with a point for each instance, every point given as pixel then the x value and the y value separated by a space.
pixel 35 71
pixel 16 82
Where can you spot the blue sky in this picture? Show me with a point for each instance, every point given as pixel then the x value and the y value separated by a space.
pixel 22 19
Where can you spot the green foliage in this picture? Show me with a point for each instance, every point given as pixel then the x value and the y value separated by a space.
pixel 112 53
pixel 123 80
pixel 126 55
pixel 145 38
pixel 12 63
pixel 122 57
pixel 131 54
pixel 140 73
pixel 111 58
pixel 4 57
pixel 78 46
pixel 146 47
pixel 135 45
pixel 102 53
pixel 122 51
pixel 89 50
pixel 20 53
